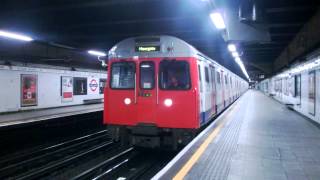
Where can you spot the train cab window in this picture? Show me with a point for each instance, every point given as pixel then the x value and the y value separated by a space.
pixel 174 75
pixel 147 75
pixel 122 75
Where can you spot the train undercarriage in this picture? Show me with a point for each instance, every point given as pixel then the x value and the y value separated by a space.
pixel 151 136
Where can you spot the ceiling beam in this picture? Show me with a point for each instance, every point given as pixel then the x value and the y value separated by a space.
pixel 87 4
pixel 135 21
pixel 286 25
pixel 291 9
pixel 304 42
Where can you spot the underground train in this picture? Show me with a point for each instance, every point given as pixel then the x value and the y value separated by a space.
pixel 162 91
pixel 298 87
pixel 35 86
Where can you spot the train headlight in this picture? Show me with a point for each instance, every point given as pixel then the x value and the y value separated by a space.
pixel 127 101
pixel 168 102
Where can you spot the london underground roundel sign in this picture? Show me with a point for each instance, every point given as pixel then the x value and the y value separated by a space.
pixel 93 85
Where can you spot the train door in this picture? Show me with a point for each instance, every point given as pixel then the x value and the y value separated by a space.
pixel 201 93
pixel 146 92
pixel 312 93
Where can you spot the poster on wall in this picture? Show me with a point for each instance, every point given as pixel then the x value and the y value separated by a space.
pixel 102 85
pixel 29 90
pixel 312 93
pixel 66 89
pixel 79 86
pixel 93 86
pixel 291 86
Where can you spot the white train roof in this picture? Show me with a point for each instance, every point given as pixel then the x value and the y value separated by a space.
pixel 169 46
pixel 157 46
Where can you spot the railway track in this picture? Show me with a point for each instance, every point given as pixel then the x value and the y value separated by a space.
pixel 93 156
pixel 130 164
pixel 30 165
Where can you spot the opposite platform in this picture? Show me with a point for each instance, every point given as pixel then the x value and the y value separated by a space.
pixel 256 138
pixel 22 117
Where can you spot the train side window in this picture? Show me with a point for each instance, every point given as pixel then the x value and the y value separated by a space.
pixel 213 79
pixel 206 73
pixel 208 86
pixel 122 75
pixel 147 75
pixel 218 78
pixel 174 75
pixel 79 86
pixel 226 79
pixel 200 78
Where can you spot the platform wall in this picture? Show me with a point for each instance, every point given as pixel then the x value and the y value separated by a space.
pixel 281 89
pixel 49 87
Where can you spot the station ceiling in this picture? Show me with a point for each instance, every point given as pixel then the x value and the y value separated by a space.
pixel 99 24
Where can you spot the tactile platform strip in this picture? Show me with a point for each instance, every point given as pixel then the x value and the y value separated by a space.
pixel 215 162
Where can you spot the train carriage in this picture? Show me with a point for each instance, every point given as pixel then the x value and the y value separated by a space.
pixel 161 91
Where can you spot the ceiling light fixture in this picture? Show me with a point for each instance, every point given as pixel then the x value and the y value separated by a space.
pixel 217 20
pixel 96 53
pixel 232 48
pixel 235 54
pixel 15 36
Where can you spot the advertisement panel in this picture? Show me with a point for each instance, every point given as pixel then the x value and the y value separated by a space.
pixel 102 85
pixel 66 89
pixel 29 90
pixel 312 93
pixel 80 86
pixel 93 86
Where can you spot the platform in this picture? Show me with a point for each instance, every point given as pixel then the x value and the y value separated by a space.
pixel 22 117
pixel 257 138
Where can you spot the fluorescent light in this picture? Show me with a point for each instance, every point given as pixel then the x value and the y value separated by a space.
pixel 243 69
pixel 232 47
pixel 238 60
pixel 15 36
pixel 235 54
pixel 217 20
pixel 96 53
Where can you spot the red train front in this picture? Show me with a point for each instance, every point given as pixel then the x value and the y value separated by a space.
pixel 151 98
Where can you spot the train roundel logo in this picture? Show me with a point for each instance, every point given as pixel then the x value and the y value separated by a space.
pixel 93 85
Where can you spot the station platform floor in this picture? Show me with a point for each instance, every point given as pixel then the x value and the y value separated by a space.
pixel 257 138
pixel 17 118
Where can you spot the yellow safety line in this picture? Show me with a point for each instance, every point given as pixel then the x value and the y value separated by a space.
pixel 194 158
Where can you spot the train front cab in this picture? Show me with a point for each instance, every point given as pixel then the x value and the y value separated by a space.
pixel 145 106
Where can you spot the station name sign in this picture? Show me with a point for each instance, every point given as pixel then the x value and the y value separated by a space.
pixel 147 48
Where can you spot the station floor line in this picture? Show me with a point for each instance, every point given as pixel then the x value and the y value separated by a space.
pixel 30 116
pixel 256 139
